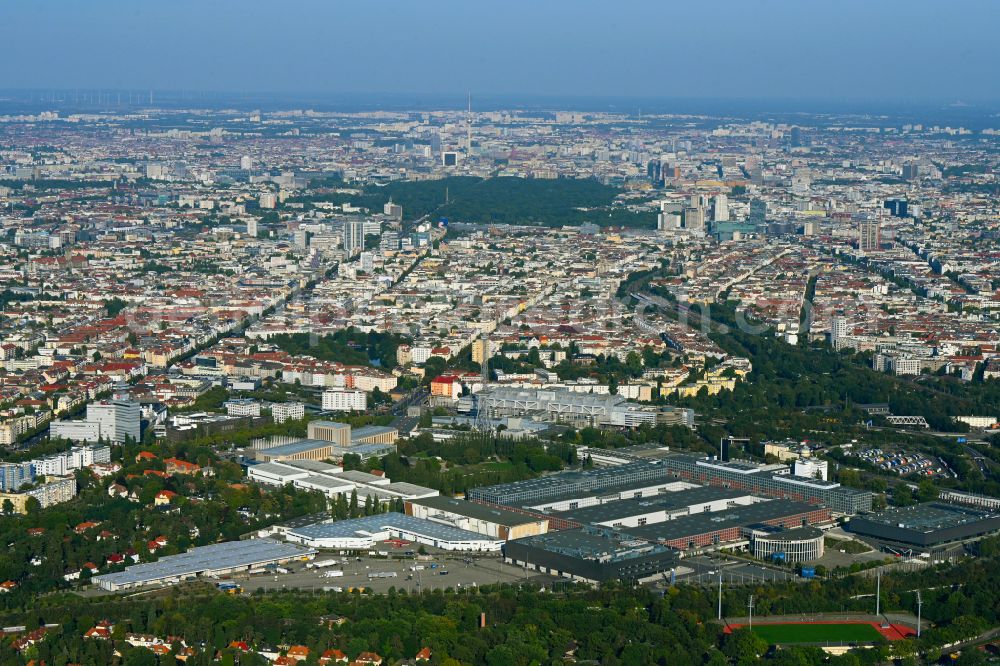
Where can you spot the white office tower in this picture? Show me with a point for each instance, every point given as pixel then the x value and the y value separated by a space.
pixel 157 171
pixel 354 236
pixel 117 419
pixel 283 411
pixel 246 162
pixel 268 200
pixel 839 328
pixel 699 201
pixel 390 241
pixel 801 182
pixel 252 228
pixel 694 218
pixel 345 400
pixel 668 166
pixel 393 210
pixel 811 468
pixel 720 210
pixel 666 221
pixel 869 235
pixel 85 456
pixel 670 215
pixel 56 465
pixel 367 261
pixel 300 239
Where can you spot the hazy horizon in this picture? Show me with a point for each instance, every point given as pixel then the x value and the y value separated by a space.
pixel 894 52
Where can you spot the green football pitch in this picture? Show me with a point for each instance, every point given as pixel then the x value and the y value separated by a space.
pixel 783 634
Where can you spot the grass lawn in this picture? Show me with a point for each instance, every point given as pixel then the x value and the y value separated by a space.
pixel 851 547
pixel 782 634
pixel 494 466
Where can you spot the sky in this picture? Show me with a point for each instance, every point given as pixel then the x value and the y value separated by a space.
pixel 898 50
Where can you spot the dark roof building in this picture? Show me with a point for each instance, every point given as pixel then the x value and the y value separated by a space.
pixel 720 527
pixel 658 508
pixel 480 518
pixel 596 553
pixel 591 554
pixel 927 525
pixel 767 480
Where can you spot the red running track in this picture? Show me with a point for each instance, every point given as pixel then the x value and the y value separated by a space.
pixel 893 632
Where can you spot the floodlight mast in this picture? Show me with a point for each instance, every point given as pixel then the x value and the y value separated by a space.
pixel 720 594
pixel 878 593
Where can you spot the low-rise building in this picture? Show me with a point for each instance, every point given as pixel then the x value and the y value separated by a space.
pixel 284 411
pixel 212 560
pixel 364 533
pixel 592 555
pixel 242 407
pixel 488 521
pixel 345 400
pixel 47 494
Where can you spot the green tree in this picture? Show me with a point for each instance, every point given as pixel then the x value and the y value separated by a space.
pixel 927 491
pixel 902 495
pixel 634 363
pixel 744 646
pixel 139 657
pixel 434 367
pixel 501 655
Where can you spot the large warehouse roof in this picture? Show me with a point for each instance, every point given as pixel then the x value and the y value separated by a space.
pixel 927 524
pixel 594 543
pixel 742 516
pixel 276 469
pixel 476 511
pixel 312 466
pixel 597 480
pixel 635 507
pixel 360 527
pixel 371 431
pixel 294 448
pixel 206 559
pixel 928 517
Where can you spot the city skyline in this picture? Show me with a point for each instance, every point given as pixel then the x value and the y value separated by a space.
pixel 447 334
pixel 853 51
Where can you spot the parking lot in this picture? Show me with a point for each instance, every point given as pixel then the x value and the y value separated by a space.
pixel 903 462
pixel 439 570
pixel 705 570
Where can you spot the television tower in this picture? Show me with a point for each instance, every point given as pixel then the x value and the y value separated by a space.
pixel 468 127
pixel 482 418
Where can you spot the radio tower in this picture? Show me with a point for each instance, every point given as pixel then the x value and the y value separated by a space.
pixel 482 419
pixel 468 128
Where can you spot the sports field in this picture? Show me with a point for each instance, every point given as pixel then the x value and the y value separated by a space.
pixel 784 634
